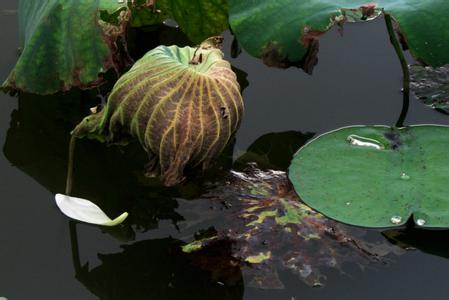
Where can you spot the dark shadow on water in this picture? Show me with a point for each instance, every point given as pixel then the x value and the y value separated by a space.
pixel 111 176
pixel 434 242
pixel 158 269
pixel 273 150
pixel 141 40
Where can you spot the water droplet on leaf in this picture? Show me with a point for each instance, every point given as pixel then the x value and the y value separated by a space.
pixel 396 219
pixel 420 222
pixel 405 176
pixel 361 141
pixel 170 23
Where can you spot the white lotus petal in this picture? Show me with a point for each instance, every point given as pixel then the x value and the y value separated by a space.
pixel 86 211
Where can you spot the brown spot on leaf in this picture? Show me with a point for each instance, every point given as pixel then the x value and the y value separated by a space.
pixel 365 12
pixel 368 10
pixel 402 38
pixel 115 38
pixel 310 40
pixel 272 57
pixel 76 81
pixel 151 4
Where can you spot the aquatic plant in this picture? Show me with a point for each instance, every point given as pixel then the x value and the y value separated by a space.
pixel 182 104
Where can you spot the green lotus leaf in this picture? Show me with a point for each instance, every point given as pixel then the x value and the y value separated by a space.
pixel 296 25
pixel 377 176
pixel 182 104
pixel 431 86
pixel 198 19
pixel 65 45
pixel 71 43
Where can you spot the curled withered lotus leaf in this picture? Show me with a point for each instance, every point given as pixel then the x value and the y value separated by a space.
pixel 182 104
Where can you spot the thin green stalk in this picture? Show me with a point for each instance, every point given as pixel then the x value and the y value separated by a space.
pixel 405 71
pixel 69 181
pixel 68 191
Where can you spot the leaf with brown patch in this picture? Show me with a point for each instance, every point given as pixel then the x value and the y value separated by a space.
pixel 198 19
pixel 66 45
pixel 296 25
pixel 271 231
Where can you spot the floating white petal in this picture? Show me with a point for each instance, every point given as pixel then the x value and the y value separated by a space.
pixel 86 211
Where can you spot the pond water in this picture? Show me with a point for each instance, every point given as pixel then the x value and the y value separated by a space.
pixel 357 81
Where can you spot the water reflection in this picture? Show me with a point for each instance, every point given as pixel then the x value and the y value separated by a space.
pixel 250 215
pixel 8 12
pixel 273 150
pixel 109 176
pixel 429 241
pixel 158 269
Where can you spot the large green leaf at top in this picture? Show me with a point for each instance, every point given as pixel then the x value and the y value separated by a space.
pixel 285 31
pixel 65 45
pixel 198 19
pixel 70 43
pixel 377 176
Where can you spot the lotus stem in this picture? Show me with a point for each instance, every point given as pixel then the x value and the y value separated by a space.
pixel 405 71
pixel 69 181
pixel 68 191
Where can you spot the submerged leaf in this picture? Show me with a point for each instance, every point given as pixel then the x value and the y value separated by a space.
pixel 86 211
pixel 297 26
pixel 66 45
pixel 182 104
pixel 157 269
pixel 431 85
pixel 196 245
pixel 377 176
pixel 271 231
pixel 258 258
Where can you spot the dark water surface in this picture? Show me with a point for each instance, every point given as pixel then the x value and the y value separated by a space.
pixel 357 81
